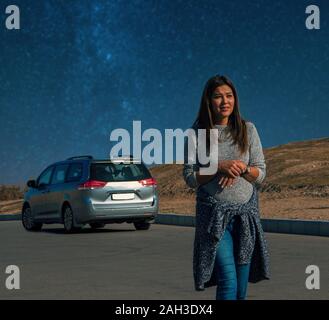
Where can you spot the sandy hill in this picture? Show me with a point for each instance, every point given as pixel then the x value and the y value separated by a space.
pixel 290 166
pixel 296 185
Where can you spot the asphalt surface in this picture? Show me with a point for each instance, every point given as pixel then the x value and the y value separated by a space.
pixel 119 262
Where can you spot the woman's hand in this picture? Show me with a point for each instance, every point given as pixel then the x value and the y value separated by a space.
pixel 232 168
pixel 225 181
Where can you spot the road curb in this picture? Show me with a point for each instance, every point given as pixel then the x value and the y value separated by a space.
pixel 10 217
pixel 304 227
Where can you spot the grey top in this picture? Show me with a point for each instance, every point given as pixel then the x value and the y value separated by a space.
pixel 242 190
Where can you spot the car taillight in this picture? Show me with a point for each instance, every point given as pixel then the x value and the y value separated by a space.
pixel 92 184
pixel 148 182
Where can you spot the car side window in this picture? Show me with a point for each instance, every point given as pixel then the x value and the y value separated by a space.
pixel 59 174
pixel 44 178
pixel 75 172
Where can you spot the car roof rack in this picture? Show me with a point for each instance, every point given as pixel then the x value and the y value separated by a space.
pixel 129 156
pixel 125 158
pixel 80 157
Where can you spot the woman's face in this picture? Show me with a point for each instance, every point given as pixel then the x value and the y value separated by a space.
pixel 222 102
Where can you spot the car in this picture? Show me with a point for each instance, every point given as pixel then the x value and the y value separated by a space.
pixel 82 190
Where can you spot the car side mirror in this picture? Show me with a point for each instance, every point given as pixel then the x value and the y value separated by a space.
pixel 41 186
pixel 32 184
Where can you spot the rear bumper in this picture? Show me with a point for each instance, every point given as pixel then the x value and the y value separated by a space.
pixel 107 215
pixel 120 220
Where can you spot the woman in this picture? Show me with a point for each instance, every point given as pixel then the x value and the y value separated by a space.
pixel 229 246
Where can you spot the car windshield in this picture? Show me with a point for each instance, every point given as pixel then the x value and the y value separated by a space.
pixel 118 172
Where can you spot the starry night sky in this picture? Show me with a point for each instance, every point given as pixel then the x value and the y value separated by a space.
pixel 76 70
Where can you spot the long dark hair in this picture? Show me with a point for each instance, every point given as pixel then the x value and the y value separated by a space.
pixel 236 125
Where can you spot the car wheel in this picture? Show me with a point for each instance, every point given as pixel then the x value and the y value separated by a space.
pixel 68 220
pixel 28 221
pixel 97 225
pixel 142 225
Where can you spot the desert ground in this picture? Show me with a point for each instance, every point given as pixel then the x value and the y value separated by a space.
pixel 284 205
pixel 276 206
pixel 296 184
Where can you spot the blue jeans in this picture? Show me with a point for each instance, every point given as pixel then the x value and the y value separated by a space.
pixel 232 279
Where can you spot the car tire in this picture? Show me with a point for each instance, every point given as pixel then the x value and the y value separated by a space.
pixel 28 221
pixel 142 225
pixel 68 220
pixel 96 225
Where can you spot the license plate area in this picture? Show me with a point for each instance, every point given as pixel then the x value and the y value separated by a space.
pixel 123 196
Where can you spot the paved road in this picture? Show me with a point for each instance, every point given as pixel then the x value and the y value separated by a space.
pixel 120 263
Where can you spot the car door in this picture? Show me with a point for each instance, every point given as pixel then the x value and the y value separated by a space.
pixel 40 194
pixel 55 196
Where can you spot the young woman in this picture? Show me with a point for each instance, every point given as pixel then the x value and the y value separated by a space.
pixel 229 245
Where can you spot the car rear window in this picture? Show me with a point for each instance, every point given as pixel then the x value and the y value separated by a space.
pixel 118 172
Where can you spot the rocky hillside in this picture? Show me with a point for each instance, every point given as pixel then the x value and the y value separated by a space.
pixel 297 165
pixel 296 185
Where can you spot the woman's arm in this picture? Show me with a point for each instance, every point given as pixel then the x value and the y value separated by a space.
pixel 229 171
pixel 252 175
pixel 191 169
pixel 256 159
pixel 257 164
pixel 191 166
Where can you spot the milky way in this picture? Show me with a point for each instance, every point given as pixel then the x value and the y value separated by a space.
pixel 78 69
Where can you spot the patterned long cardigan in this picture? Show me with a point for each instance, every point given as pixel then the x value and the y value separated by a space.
pixel 212 217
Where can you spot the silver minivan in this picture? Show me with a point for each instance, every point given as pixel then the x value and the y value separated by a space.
pixel 82 190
